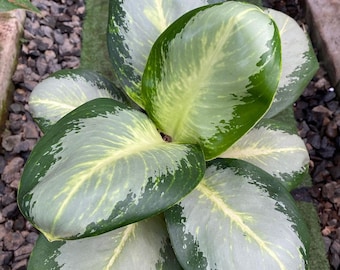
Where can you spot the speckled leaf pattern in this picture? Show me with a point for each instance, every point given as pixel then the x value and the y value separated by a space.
pixel 299 63
pixel 213 74
pixel 103 166
pixel 133 28
pixel 65 90
pixel 120 249
pixel 273 147
pixel 238 218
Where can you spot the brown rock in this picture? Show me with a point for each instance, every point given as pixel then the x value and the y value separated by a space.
pixel 322 109
pixel 12 170
pixel 8 198
pixel 30 131
pixel 21 265
pixel 13 240
pixel 332 130
pixel 8 143
pixel 23 252
pixel 32 237
pixel 10 211
pixel 5 257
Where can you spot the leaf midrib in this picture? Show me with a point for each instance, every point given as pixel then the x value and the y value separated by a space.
pixel 52 103
pixel 218 201
pixel 80 179
pixel 204 72
pixel 127 234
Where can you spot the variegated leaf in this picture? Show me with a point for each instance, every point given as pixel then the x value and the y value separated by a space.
pixel 213 74
pixel 65 90
pixel 141 245
pixel 102 166
pixel 238 218
pixel 275 148
pixel 133 28
pixel 299 63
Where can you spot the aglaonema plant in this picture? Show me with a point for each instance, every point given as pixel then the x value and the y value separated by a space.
pixel 186 167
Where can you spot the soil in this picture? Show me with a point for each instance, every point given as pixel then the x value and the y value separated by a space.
pixel 53 42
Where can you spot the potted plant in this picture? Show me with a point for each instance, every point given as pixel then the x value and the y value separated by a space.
pixel 186 168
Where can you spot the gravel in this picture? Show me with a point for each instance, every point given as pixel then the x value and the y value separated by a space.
pixel 318 116
pixel 53 42
pixel 50 43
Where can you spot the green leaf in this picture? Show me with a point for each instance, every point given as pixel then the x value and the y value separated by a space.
pixel 65 90
pixel 133 28
pixel 141 245
pixel 103 166
pixel 213 74
pixel 275 148
pixel 238 218
pixel 7 5
pixel 299 63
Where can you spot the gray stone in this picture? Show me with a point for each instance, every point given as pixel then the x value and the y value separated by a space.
pixel 44 43
pixel 324 23
pixel 32 27
pixel 15 127
pixel 3 232
pixel 335 172
pixel 46 31
pixel 10 211
pixel 8 143
pixel 20 95
pixel 32 237
pixel 56 9
pixel 80 10
pixel 29 84
pixel 75 38
pixel 335 260
pixel 30 131
pixel 20 265
pixel 12 170
pixel 28 35
pixel 49 20
pixel 53 66
pixel 31 61
pixel 64 18
pixel 41 65
pixel 41 5
pixel 66 49
pixel 9 224
pixel 71 62
pixel 18 75
pixel 65 27
pixel 50 55
pixel 59 37
pixel 19 224
pixel 8 198
pixel 13 240
pixel 17 108
pixel 23 252
pixel 5 258
pixel 33 76
pixel 2 164
pixel 32 45
pixel 22 146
